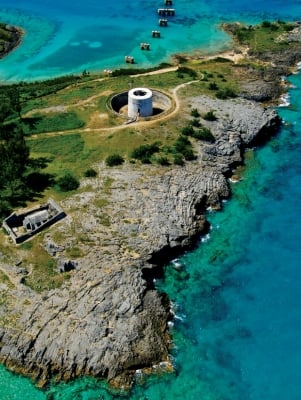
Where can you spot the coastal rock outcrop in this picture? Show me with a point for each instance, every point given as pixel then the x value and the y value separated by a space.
pixel 107 320
pixel 10 37
pixel 103 325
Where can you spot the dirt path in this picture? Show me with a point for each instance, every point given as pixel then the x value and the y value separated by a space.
pixel 157 72
pixel 122 126
pixel 229 54
pixel 63 108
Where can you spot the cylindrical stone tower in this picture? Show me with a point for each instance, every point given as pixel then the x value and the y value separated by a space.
pixel 140 102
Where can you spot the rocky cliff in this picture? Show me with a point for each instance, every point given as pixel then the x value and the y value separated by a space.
pixel 107 320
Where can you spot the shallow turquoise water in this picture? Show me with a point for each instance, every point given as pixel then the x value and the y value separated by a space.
pixel 237 329
pixel 67 36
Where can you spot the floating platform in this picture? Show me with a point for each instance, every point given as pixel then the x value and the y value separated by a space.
pixel 166 12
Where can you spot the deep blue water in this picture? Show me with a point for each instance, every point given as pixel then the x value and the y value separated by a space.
pixel 237 332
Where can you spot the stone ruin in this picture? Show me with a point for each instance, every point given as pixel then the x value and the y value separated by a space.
pixel 22 226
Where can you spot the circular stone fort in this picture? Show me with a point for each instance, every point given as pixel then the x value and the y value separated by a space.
pixel 140 102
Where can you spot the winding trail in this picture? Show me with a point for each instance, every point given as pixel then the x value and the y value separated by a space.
pixel 163 117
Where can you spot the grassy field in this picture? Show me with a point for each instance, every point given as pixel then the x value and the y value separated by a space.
pixel 85 127
pixel 262 37
pixel 43 271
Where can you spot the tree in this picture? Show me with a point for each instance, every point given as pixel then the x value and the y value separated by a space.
pixel 67 182
pixel 5 109
pixel 15 101
pixel 17 170
pixel 14 160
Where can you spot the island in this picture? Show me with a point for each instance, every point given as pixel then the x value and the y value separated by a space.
pixel 79 298
pixel 10 38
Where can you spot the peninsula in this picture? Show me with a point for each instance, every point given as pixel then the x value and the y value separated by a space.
pixel 79 298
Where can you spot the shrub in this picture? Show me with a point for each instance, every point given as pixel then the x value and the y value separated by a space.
pixel 212 86
pixel 196 123
pixel 178 159
pixel 288 27
pixel 183 147
pixel 195 113
pixel 225 93
pixel 67 182
pixel 163 161
pixel 145 160
pixel 187 130
pixel 210 116
pixel 145 151
pixel 189 154
pixel 243 34
pixel 181 144
pixel 90 173
pixel 204 134
pixel 266 24
pixel 114 159
pixel 185 70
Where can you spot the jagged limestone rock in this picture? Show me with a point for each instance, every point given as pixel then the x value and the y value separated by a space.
pixel 107 320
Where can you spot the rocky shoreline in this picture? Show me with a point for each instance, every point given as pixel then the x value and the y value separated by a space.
pixel 10 38
pixel 108 320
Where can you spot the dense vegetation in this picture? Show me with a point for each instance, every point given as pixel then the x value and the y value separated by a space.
pixel 14 167
pixel 262 37
pixel 32 90
pixel 15 164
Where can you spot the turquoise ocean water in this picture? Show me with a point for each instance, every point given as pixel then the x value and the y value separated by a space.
pixel 237 331
pixel 65 36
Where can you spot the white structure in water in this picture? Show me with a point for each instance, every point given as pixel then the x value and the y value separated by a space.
pixel 140 103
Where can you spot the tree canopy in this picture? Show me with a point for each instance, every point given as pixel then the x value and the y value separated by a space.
pixel 14 162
